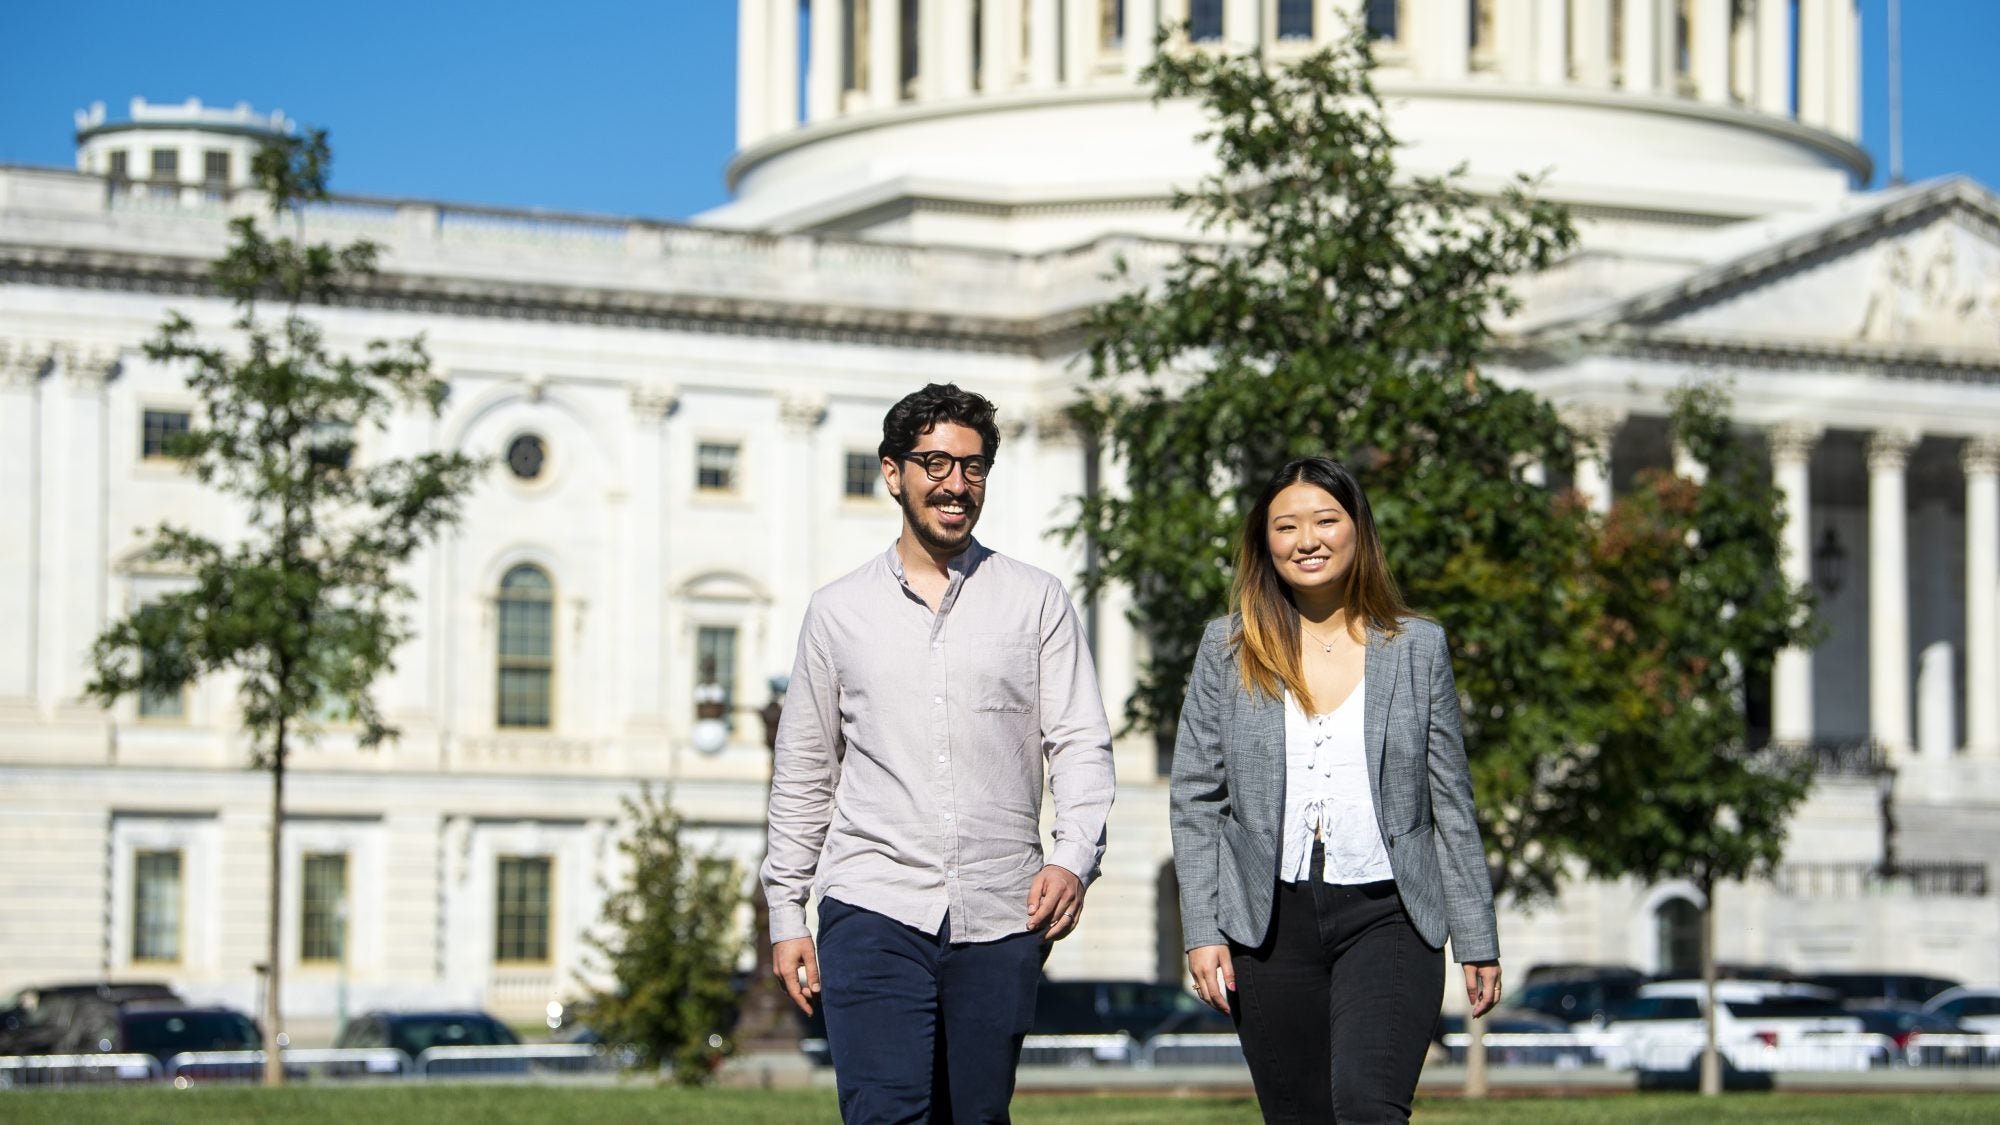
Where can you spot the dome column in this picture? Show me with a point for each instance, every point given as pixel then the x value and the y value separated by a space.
pixel 1043 63
pixel 1814 48
pixel 825 65
pixel 1000 46
pixel 1591 41
pixel 1710 47
pixel 1638 56
pixel 885 53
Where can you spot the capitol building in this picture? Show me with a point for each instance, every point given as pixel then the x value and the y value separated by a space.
pixel 682 419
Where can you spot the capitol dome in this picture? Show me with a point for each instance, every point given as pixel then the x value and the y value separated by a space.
pixel 903 123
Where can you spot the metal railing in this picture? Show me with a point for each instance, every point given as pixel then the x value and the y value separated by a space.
pixel 1940 879
pixel 1835 1052
pixel 48 1071
pixel 1951 1051
pixel 519 1060
pixel 1079 1050
pixel 1565 1050
pixel 1191 1050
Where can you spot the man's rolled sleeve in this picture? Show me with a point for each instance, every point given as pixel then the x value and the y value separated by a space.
pixel 1076 740
pixel 804 771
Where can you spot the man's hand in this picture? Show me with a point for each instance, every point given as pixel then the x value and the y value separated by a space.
pixel 1482 985
pixel 1055 900
pixel 1214 975
pixel 787 958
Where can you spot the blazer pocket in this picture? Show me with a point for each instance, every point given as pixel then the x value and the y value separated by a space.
pixel 1004 671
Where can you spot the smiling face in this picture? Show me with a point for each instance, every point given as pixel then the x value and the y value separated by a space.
pixel 939 513
pixel 1311 540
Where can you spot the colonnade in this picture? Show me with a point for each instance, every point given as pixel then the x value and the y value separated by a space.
pixel 1789 58
pixel 1890 675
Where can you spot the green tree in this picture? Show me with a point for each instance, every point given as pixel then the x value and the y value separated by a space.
pixel 301 602
pixel 1344 309
pixel 669 942
pixel 1695 606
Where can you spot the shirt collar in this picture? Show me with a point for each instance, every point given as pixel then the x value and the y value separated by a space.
pixel 959 565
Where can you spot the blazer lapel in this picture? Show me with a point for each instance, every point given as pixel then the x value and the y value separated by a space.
pixel 1385 659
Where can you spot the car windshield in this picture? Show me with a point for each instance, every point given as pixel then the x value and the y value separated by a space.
pixel 1783 1006
pixel 154 1032
pixel 416 1036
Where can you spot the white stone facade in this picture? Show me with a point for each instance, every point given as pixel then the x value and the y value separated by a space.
pixel 906 231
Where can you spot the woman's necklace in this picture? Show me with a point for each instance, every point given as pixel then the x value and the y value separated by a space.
pixel 1324 644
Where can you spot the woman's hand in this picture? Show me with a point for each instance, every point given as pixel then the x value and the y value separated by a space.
pixel 1482 985
pixel 1214 975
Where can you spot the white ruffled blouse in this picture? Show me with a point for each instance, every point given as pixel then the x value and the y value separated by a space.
pixel 1327 793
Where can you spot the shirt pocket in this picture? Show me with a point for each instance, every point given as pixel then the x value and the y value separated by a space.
pixel 1003 671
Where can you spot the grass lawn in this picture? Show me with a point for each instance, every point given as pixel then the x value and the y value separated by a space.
pixel 599 1105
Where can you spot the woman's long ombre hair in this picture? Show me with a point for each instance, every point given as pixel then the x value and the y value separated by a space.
pixel 1267 640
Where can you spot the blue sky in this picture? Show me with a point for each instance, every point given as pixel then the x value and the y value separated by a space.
pixel 626 106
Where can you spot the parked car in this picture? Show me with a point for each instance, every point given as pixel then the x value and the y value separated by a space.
pixel 1759 1025
pixel 34 1020
pixel 1580 1000
pixel 413 1033
pixel 1976 1008
pixel 1901 1021
pixel 159 1029
pixel 1139 1008
pixel 1513 1021
pixel 1910 988
pixel 1577 971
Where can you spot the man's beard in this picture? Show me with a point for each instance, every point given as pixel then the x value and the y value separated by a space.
pixel 943 542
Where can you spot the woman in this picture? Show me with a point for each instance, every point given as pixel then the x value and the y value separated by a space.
pixel 1322 813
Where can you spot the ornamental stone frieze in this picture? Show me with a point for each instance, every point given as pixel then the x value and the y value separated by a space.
pixel 21 363
pixel 1889 449
pixel 1055 425
pixel 1981 454
pixel 1792 444
pixel 802 413
pixel 655 403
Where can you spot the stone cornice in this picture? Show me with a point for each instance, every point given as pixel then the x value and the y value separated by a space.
pixel 1898 362
pixel 569 304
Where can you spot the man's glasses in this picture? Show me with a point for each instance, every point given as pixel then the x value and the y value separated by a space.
pixel 937 464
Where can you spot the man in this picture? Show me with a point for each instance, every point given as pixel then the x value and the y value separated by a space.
pixel 930 686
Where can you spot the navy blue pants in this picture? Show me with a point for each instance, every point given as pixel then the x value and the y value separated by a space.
pixel 923 1029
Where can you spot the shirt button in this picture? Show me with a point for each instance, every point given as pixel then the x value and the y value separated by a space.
pixel 951 872
pixel 940 759
pixel 937 699
pixel 947 816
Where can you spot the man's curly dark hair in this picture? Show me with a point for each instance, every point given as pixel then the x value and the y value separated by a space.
pixel 937 403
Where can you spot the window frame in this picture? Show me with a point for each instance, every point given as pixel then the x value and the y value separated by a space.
pixel 547 863
pixel 504 661
pixel 140 933
pixel 148 452
pixel 335 914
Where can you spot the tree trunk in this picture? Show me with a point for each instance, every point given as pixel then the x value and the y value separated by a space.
pixel 274 1062
pixel 1475 1056
pixel 1711 1061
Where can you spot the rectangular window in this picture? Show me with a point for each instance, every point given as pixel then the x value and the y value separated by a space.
pixel 1384 19
pixel 166 164
pixel 864 474
pixel 715 467
pixel 1479 20
pixel 161 704
pixel 715 663
pixel 323 908
pixel 215 167
pixel 121 165
pixel 1295 19
pixel 1204 20
pixel 521 910
pixel 156 906
pixel 158 429
pixel 1111 24
pixel 527 655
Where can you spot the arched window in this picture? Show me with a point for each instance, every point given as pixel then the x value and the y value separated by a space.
pixel 1384 19
pixel 527 661
pixel 1677 924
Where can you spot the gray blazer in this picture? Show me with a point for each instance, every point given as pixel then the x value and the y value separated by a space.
pixel 1229 795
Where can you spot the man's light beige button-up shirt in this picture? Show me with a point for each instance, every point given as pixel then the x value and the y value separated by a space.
pixel 908 777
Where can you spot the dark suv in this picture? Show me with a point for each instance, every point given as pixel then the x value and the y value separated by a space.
pixel 1583 998
pixel 159 1029
pixel 413 1033
pixel 1139 1008
pixel 35 1020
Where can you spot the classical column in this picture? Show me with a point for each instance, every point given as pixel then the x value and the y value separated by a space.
pixel 1843 70
pixel 1774 58
pixel 650 556
pixel 1044 65
pixel 811 485
pixel 1550 42
pixel 933 28
pixel 1081 42
pixel 74 521
pixel 20 502
pixel 781 111
pixel 1709 44
pixel 752 84
pixel 1000 45
pixel 955 41
pixel 1595 429
pixel 1444 40
pixel 1981 459
pixel 885 52
pixel 1792 674
pixel 1141 19
pixel 1590 42
pixel 1815 18
pixel 826 65
pixel 1888 592
pixel 1242 24
pixel 1637 53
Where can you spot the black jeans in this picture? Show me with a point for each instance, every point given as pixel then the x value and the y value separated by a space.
pixel 922 1028
pixel 1335 1009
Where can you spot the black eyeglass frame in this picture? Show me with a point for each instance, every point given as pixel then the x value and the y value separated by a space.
pixel 975 466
